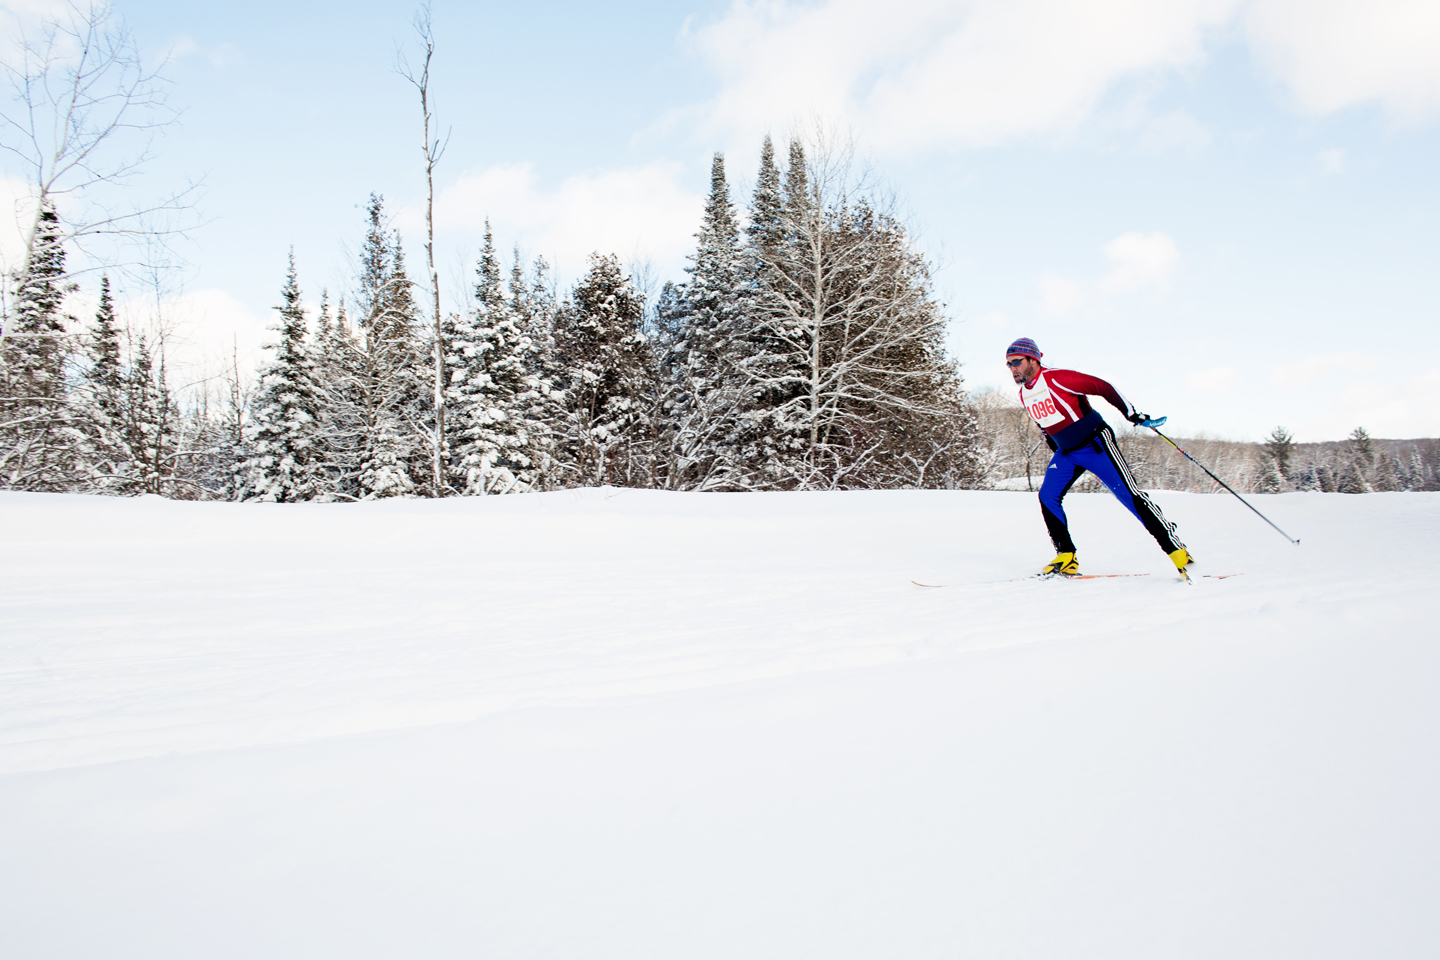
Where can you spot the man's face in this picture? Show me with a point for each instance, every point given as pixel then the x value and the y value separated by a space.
pixel 1023 369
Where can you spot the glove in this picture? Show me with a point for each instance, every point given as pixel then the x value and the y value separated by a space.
pixel 1145 420
pixel 1138 418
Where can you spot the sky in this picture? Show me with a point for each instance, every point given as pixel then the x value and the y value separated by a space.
pixel 1228 208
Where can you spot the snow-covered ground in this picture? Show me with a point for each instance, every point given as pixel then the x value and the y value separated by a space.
pixel 633 725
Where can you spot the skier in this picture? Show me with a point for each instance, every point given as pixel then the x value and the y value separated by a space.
pixel 1081 440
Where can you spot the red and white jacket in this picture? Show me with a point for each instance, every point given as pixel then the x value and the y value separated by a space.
pixel 1056 399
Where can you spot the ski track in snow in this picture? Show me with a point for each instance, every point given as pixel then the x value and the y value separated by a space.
pixel 144 627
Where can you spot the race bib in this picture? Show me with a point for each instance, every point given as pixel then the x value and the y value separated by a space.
pixel 1041 406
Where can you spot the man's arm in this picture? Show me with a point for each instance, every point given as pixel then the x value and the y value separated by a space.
pixel 1076 382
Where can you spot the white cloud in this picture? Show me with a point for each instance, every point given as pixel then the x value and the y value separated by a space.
pixel 1141 262
pixel 25 18
pixel 1301 373
pixel 982 72
pixel 1213 380
pixel 638 213
pixel 1333 54
pixel 206 325
pixel 932 72
pixel 219 56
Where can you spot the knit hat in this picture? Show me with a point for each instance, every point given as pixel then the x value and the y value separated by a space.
pixel 1024 347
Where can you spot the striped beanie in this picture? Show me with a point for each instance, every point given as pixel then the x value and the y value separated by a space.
pixel 1024 347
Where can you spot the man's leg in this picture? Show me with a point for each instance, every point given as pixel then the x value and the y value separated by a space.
pixel 1105 460
pixel 1060 476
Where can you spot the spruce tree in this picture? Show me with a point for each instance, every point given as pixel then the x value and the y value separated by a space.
pixel 532 301
pixel 1280 448
pixel 703 321
pixel 606 362
pixel 390 390
pixel 151 422
pixel 491 390
pixel 339 366
pixel 39 441
pixel 287 463
pixel 1357 465
pixel 101 403
pixel 766 230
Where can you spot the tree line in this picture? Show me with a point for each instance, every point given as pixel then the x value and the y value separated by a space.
pixel 1012 455
pixel 803 350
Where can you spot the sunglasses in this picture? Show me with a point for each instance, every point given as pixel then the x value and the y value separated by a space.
pixel 1016 362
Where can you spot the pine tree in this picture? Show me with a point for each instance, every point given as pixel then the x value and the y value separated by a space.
pixel 534 305
pixel 39 440
pixel 1358 467
pixel 766 230
pixel 1280 447
pixel 285 427
pixel 768 354
pixel 702 323
pixel 492 388
pixel 339 365
pixel 606 362
pixel 100 402
pixel 150 423
pixel 390 393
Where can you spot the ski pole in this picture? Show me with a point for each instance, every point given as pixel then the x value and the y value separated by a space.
pixel 1222 483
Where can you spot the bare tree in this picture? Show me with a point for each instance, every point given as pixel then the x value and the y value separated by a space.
pixel 433 148
pixel 852 339
pixel 83 114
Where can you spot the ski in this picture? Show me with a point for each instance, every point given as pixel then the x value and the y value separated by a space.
pixel 1041 576
pixel 1184 578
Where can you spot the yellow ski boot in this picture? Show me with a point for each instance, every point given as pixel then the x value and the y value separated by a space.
pixel 1182 559
pixel 1064 565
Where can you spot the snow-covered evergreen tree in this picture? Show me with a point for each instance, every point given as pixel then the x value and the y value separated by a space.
pixel 151 423
pixel 534 305
pixel 1355 463
pixel 284 429
pixel 39 440
pixel 100 400
pixel 771 439
pixel 766 230
pixel 606 363
pixel 492 389
pixel 341 373
pixel 702 324
pixel 392 397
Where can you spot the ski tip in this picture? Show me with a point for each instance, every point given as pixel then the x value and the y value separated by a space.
pixel 931 586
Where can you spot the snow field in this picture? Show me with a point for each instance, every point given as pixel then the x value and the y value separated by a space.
pixel 611 723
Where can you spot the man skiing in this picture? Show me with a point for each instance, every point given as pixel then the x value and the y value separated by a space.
pixel 1082 440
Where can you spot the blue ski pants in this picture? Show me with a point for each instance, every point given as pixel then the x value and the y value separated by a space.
pixel 1101 457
